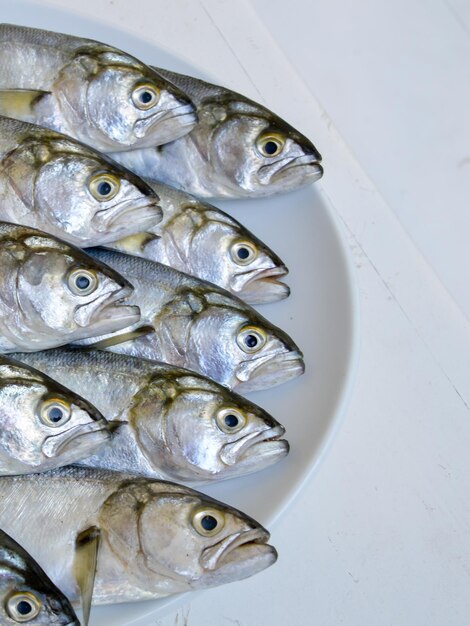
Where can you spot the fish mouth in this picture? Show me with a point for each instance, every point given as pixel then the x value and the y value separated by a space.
pixel 291 173
pixel 77 442
pixel 166 126
pixel 111 315
pixel 127 217
pixel 304 169
pixel 261 286
pixel 268 371
pixel 237 556
pixel 256 450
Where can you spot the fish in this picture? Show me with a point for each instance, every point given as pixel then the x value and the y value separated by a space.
pixel 199 239
pixel 89 90
pixel 168 422
pixel 27 594
pixel 194 324
pixel 54 183
pixel 52 293
pixel 138 539
pixel 238 149
pixel 43 424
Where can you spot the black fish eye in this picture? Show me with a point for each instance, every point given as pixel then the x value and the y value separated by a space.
pixel 251 341
pixel 82 282
pixel 24 607
pixel 104 188
pixel 55 414
pixel 208 522
pixel 145 97
pixel 243 253
pixel 270 147
pixel 231 420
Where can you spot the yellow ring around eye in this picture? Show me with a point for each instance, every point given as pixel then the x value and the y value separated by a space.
pixel 271 144
pixel 23 607
pixel 104 187
pixel 55 412
pixel 251 339
pixel 230 420
pixel 243 252
pixel 82 282
pixel 145 96
pixel 208 522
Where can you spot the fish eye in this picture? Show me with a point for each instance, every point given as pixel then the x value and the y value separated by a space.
pixel 54 412
pixel 208 522
pixel 23 607
pixel 270 145
pixel 145 96
pixel 82 282
pixel 243 252
pixel 230 420
pixel 104 187
pixel 251 339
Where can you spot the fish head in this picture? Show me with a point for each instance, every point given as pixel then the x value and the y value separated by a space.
pixel 27 594
pixel 253 151
pixel 43 424
pixel 191 427
pixel 57 293
pixel 219 249
pixel 225 339
pixel 78 194
pixel 181 539
pixel 126 104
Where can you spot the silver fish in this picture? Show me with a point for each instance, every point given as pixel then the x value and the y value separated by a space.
pixel 238 149
pixel 193 324
pixel 200 239
pixel 51 182
pixel 169 422
pixel 52 293
pixel 43 424
pixel 88 90
pixel 27 595
pixel 155 538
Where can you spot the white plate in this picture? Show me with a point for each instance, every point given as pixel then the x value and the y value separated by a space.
pixel 321 315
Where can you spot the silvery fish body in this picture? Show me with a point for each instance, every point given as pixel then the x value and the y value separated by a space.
pixel 200 239
pixel 190 323
pixel 156 538
pixel 43 425
pixel 54 183
pixel 88 90
pixel 27 595
pixel 238 149
pixel 169 422
pixel 52 293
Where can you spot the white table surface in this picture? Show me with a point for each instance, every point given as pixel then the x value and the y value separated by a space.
pixel 381 532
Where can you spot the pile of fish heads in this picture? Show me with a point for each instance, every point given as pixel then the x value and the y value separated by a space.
pixel 164 335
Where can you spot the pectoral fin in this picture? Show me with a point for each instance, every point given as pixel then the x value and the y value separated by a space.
pixel 86 557
pixel 134 244
pixel 20 103
pixel 122 338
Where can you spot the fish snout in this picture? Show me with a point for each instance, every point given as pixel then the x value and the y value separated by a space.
pixel 77 442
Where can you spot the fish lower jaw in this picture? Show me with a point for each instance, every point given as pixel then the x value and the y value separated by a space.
pixel 271 372
pixel 128 220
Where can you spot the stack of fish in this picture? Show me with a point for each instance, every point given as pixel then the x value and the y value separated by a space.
pixel 164 335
